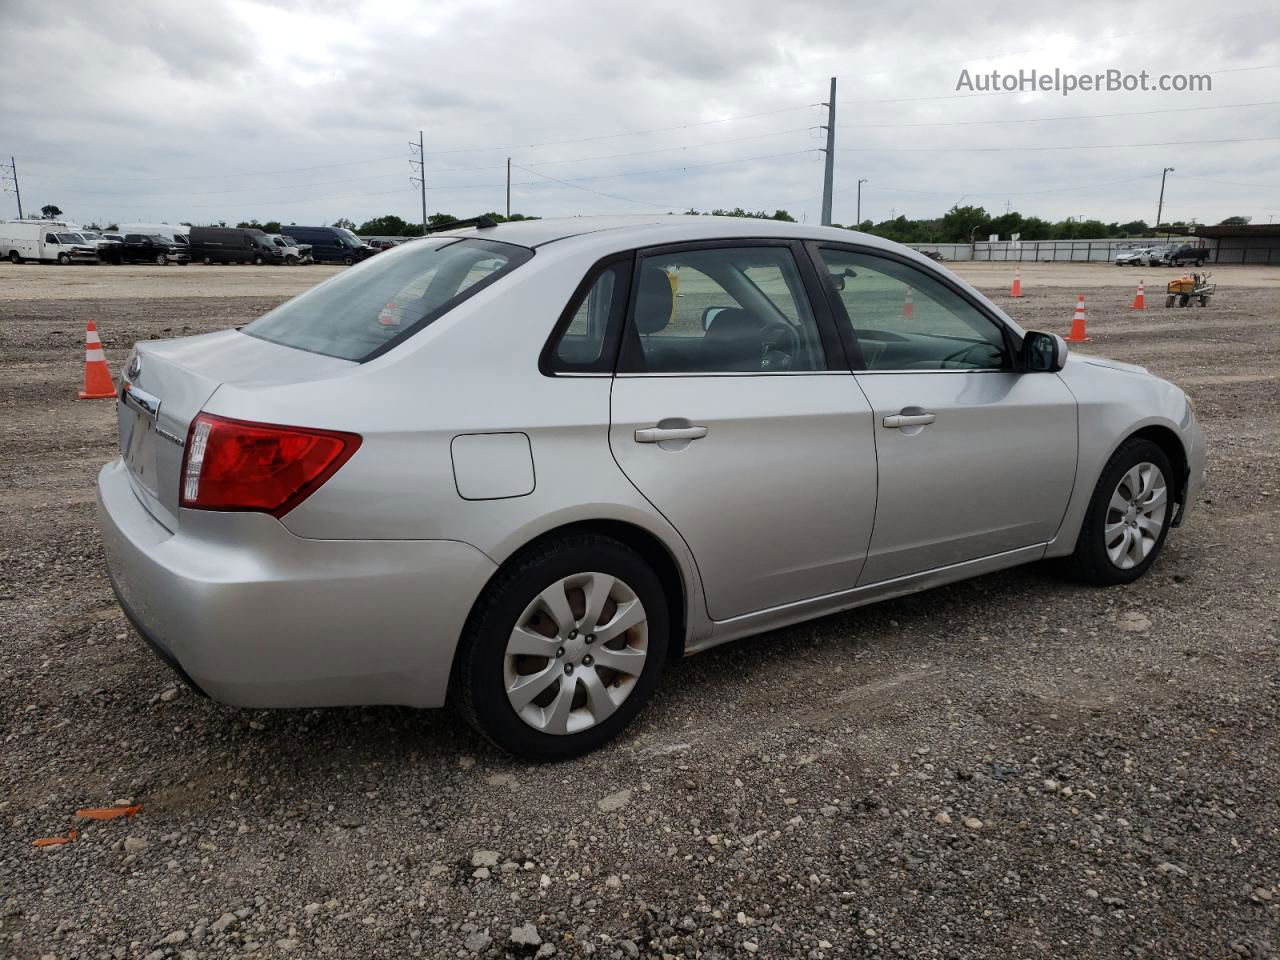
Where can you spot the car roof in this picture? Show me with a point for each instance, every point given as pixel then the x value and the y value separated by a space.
pixel 642 230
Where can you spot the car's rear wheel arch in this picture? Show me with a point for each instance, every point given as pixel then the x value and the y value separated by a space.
pixel 649 547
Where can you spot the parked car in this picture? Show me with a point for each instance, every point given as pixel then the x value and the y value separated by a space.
pixel 654 436
pixel 45 241
pixel 1135 257
pixel 233 245
pixel 141 248
pixel 1179 254
pixel 332 244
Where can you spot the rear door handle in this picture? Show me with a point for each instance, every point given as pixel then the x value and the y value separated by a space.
pixel 659 434
pixel 898 420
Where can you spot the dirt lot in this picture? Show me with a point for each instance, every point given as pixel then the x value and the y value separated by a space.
pixel 1015 766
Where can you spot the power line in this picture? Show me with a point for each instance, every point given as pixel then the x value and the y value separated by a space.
pixel 632 153
pixel 575 186
pixel 1230 183
pixel 1075 146
pixel 1077 116
pixel 211 176
pixel 628 133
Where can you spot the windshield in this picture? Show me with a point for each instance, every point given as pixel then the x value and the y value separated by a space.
pixel 363 312
pixel 351 239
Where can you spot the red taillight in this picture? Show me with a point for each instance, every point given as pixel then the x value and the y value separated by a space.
pixel 235 465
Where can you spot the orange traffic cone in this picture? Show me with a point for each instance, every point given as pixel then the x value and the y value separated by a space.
pixel 98 384
pixel 1077 323
pixel 907 309
pixel 1017 282
pixel 1140 298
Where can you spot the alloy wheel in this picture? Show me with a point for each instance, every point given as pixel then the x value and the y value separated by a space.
pixel 576 653
pixel 1136 515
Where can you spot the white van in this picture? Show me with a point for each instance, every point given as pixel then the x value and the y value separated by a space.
pixel 46 241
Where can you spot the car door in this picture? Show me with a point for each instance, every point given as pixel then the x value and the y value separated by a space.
pixel 734 414
pixel 975 457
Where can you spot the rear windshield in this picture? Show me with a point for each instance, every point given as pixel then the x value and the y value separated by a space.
pixel 364 311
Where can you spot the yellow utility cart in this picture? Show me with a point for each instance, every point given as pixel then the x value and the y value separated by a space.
pixel 1194 286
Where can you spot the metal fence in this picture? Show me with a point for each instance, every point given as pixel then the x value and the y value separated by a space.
pixel 1067 251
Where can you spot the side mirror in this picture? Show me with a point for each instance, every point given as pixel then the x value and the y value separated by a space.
pixel 1043 352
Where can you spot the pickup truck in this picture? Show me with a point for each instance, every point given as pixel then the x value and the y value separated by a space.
pixel 1179 254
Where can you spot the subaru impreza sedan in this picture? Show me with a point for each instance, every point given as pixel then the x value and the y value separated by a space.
pixel 518 467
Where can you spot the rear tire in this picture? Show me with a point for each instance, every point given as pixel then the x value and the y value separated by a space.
pixel 598 700
pixel 1106 528
pixel 206 260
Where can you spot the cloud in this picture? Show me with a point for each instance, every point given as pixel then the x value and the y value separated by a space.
pixel 248 108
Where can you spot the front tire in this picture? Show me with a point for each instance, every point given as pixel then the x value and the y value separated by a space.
pixel 64 259
pixel 563 648
pixel 14 257
pixel 1128 518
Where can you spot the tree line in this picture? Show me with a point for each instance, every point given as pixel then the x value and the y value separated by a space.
pixel 957 225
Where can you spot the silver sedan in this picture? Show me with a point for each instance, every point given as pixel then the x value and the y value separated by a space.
pixel 518 467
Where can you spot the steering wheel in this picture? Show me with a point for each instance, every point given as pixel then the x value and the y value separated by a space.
pixel 781 345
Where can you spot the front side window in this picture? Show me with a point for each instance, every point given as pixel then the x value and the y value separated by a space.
pixel 360 313
pixel 905 319
pixel 721 310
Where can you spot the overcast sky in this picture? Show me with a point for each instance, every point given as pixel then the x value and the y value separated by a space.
pixel 163 111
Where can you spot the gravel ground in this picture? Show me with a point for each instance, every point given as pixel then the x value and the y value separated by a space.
pixel 1015 766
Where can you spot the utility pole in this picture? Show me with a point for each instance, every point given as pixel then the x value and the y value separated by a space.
pixel 13 175
pixel 1160 209
pixel 858 222
pixel 829 177
pixel 508 188
pixel 421 178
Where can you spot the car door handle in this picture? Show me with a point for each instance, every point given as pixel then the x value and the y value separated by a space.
pixel 898 420
pixel 659 434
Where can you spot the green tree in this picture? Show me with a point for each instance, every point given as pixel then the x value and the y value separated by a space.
pixel 50 211
pixel 960 224
pixel 385 226
pixel 342 223
pixel 1235 222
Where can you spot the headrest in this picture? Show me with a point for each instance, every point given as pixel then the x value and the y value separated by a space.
pixel 655 300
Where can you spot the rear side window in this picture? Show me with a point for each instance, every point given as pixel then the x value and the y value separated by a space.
pixel 589 329
pixel 365 311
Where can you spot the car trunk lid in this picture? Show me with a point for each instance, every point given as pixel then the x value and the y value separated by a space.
pixel 168 382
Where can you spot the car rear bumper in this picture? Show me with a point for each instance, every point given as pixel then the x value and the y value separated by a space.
pixel 256 617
